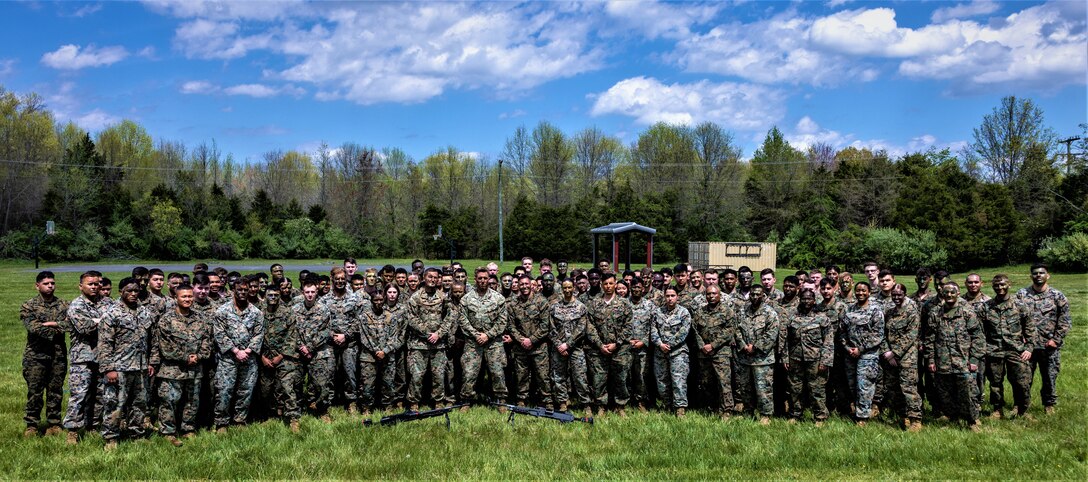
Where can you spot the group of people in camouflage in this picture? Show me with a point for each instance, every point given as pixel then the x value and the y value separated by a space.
pixel 219 349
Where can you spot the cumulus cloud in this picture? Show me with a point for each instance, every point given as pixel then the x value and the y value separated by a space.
pixel 7 66
pixel 96 120
pixel 512 114
pixel 210 39
pixel 874 32
pixel 198 87
pixel 74 57
pixel 744 107
pixel 251 90
pixel 656 19
pixel 964 10
pixel 231 10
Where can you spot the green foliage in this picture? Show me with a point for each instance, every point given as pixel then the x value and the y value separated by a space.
pixel 87 244
pixel 216 241
pixel 1069 252
pixel 904 251
pixel 123 239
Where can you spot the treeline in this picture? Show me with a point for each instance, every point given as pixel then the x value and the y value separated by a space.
pixel 122 194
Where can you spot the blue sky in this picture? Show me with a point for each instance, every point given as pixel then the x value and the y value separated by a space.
pixel 257 76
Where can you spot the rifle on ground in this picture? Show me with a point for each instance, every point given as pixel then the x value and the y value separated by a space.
pixel 561 417
pixel 411 415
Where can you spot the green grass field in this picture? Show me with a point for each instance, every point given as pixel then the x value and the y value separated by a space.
pixel 481 445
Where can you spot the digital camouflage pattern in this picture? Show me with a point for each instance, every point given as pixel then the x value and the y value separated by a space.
pixel 84 390
pixel 173 338
pixel 902 327
pixel 483 314
pixel 529 319
pixel 955 341
pixel 609 322
pixel 1009 331
pixel 569 372
pixel 863 329
pixel 672 368
pixel 425 314
pixel 45 359
pixel 642 318
pixel 378 333
pixel 759 327
pixel 312 323
pixel 715 325
pixel 235 380
pixel 344 320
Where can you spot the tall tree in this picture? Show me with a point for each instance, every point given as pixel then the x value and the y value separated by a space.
pixel 778 176
pixel 550 164
pixel 1007 136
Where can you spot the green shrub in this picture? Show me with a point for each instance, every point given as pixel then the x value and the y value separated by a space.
pixel 904 251
pixel 1069 252
pixel 87 244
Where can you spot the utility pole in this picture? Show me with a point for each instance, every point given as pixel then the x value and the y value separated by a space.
pixel 1068 154
pixel 500 211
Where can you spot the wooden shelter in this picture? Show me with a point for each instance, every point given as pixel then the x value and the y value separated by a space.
pixel 624 230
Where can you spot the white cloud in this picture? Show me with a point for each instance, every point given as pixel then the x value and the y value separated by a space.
pixel 268 130
pixel 656 19
pixel 837 3
pixel 7 66
pixel 964 10
pixel 513 114
pixel 874 32
pixel 230 10
pixel 87 10
pixel 74 57
pixel 147 53
pixel 208 39
pixel 198 87
pixel 96 120
pixel 259 91
pixel 744 107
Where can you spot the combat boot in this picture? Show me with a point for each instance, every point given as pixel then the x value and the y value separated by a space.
pixel 52 431
pixel 30 432
pixel 622 412
pixel 189 436
pixel 600 411
pixel 326 418
pixel 73 437
pixel 521 403
pixel 294 427
pixel 642 407
pixel 1049 410
pixel 915 426
pixel 680 412
pixel 562 407
pixel 221 430
pixel 975 426
pixel 464 408
pixel 819 423
pixel 764 421
pixel 413 407
pixel 110 446
pixel 353 408
pixel 997 414
pixel 860 423
pixel 173 440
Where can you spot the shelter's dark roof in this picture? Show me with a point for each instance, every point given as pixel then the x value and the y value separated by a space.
pixel 619 228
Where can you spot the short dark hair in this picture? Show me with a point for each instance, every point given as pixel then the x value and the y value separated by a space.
pixel 923 272
pixel 155 271
pixel 44 275
pixel 183 287
pixel 89 274
pixel 481 269
pixel 139 271
pixel 1040 265
pixel 104 281
pixel 729 271
pixel 766 271
pixel 827 282
pixel 885 272
pixel 200 279
pixel 350 260
pixel 402 271
pixel 792 280
pixel 744 269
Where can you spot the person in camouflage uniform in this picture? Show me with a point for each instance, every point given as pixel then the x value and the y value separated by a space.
pixel 397 306
pixel 239 330
pixel 786 306
pixel 379 338
pixel 455 340
pixel 838 391
pixel 312 320
pixel 809 353
pixel 1049 309
pixel 427 338
pixel 715 335
pixel 569 318
pixel 45 358
pixel 528 313
pixel 956 346
pixel 643 311
pixel 669 333
pixel 84 314
pixel 609 352
pixel 342 304
pixel 181 340
pixel 1010 338
pixel 483 320
pixel 861 336
pixel 123 345
pixel 757 344
pixel 974 296
pixel 282 377
pixel 902 325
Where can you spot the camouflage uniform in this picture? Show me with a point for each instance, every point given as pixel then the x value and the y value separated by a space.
pixel 45 359
pixel 956 341
pixel 976 304
pixel 775 295
pixel 1050 312
pixel 312 324
pixel 642 317
pixel 529 319
pixel 609 322
pixel 716 325
pixel 235 380
pixel 672 368
pixel 568 325
pixel 691 299
pixel 84 388
pixel 280 384
pixel 902 326
pixel 400 379
pixel 656 296
pixel 425 315
pixel 378 332
pixel 755 372
pixel 1009 331
pixel 782 388
pixel 123 342
pixel 484 314
pixel 838 390
pixel 173 338
pixel 455 341
pixel 810 345
pixel 343 321
pixel 863 328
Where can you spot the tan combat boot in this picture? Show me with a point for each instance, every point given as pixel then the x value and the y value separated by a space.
pixel 819 423
pixel 326 418
pixel 975 426
pixel 173 440
pixel 562 407
pixel 1049 410
pixel 622 412
pixel 73 437
pixel 521 403
pixel 221 430
pixel 600 411
pixel 464 408
pixel 110 446
pixel 642 407
pixel 764 421
pixel 294 427
pixel 997 414
pixel 915 426
pixel 353 409
pixel 30 432
pixel 413 407
pixel 52 431
pixel 680 412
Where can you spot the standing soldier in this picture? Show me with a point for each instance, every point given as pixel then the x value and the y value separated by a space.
pixel 1049 309
pixel 84 314
pixel 809 352
pixel 483 320
pixel 902 324
pixel 279 357
pixel 609 337
pixel 977 299
pixel 862 335
pixel 379 338
pixel 569 318
pixel 528 313
pixel 715 334
pixel 45 358
pixel 427 336
pixel 123 337
pixel 642 318
pixel 456 340
pixel 319 363
pixel 758 330
pixel 1010 336
pixel 342 305
pixel 239 331
pixel 838 393
pixel 669 334
pixel 955 345
pixel 181 341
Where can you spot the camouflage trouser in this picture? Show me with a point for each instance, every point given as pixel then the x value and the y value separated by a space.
pixel 178 392
pixel 805 377
pixel 1049 363
pixel 672 377
pixel 608 373
pixel 863 374
pixel 716 377
pixel 347 364
pixel 84 395
pixel 901 386
pixel 980 383
pixel 640 360
pixel 475 355
pixel 927 386
pixel 755 384
pixel 420 363
pixel 957 394
pixel 535 362
pixel 320 371
pixel 234 384
pixel 371 370
pixel 44 379
pixel 838 392
pixel 570 371
pixel 125 404
pixel 453 370
pixel 781 388
pixel 1019 372
pixel 400 380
